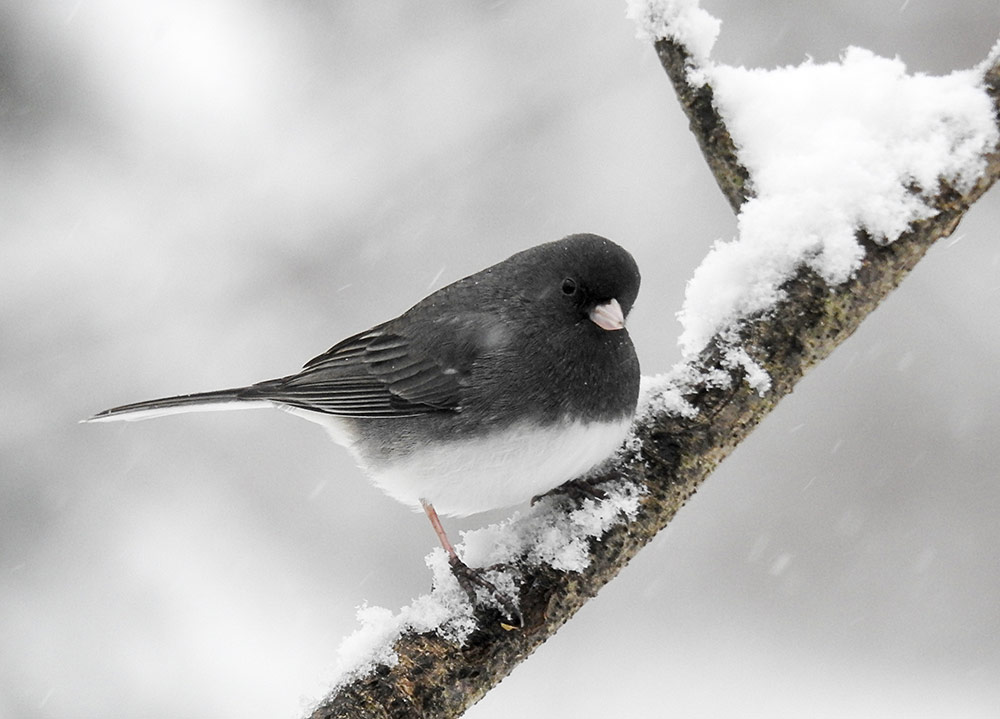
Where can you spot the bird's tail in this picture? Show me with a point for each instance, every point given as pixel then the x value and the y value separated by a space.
pixel 238 398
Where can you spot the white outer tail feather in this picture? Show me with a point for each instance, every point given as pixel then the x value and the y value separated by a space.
pixel 137 415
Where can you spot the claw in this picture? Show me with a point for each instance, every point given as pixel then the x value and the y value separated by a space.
pixel 470 579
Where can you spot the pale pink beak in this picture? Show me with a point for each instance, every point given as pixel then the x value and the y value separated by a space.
pixel 608 315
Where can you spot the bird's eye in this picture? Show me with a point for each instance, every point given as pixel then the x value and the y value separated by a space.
pixel 569 286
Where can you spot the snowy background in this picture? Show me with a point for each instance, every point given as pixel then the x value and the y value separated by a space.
pixel 198 195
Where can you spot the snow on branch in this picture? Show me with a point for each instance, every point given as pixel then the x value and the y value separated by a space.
pixel 831 149
pixel 843 174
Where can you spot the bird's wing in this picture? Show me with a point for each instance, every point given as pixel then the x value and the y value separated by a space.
pixel 381 373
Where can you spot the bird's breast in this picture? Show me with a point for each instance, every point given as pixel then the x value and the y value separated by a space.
pixel 499 469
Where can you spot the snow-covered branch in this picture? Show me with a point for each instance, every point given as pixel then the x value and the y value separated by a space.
pixel 843 175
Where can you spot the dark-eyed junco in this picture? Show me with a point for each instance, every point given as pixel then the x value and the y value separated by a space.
pixel 494 389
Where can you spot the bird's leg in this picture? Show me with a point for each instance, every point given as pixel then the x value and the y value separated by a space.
pixel 468 578
pixel 439 531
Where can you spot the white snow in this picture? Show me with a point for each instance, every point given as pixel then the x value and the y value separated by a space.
pixel 546 534
pixel 680 20
pixel 832 148
pixel 446 610
pixel 991 58
pixel 664 393
pixel 756 376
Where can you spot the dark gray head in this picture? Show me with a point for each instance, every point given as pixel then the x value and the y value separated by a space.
pixel 582 271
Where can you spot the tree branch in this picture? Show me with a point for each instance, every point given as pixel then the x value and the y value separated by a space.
pixel 707 126
pixel 435 677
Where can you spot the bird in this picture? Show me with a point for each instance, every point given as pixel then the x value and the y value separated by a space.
pixel 492 390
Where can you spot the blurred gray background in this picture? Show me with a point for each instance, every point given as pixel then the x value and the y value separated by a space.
pixel 205 194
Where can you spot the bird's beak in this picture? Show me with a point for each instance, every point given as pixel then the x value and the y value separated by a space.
pixel 608 315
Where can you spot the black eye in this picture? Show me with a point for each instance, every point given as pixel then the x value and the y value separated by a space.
pixel 569 286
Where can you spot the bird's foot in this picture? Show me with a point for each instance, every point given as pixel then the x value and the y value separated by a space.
pixel 471 579
pixel 577 490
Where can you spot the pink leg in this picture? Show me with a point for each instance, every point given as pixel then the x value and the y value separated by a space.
pixel 469 579
pixel 439 530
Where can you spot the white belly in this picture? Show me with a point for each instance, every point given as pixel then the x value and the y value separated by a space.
pixel 466 476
